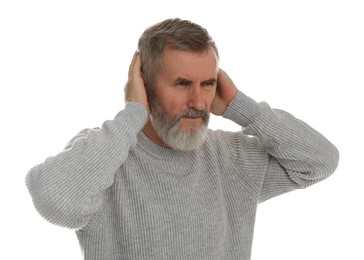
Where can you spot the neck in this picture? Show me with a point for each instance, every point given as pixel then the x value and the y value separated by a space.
pixel 152 134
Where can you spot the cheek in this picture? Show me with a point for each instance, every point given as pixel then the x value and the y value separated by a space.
pixel 210 96
pixel 173 104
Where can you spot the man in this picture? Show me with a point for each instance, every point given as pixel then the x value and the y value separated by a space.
pixel 154 183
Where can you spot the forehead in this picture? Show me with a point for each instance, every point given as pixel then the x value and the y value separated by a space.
pixel 189 64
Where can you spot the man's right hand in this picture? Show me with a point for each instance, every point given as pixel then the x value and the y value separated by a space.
pixel 135 88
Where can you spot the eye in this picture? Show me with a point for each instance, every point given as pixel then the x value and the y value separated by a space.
pixel 184 83
pixel 208 84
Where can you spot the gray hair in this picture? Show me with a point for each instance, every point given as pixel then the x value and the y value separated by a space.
pixel 172 33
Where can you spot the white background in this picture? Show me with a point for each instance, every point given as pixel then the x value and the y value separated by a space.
pixel 63 65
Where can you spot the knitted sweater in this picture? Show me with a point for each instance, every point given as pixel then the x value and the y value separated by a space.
pixel 129 198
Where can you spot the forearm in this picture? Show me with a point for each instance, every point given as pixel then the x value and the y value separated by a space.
pixel 304 153
pixel 67 188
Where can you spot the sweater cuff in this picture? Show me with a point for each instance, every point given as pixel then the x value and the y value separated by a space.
pixel 242 109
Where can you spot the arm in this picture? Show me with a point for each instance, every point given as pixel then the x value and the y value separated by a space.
pixel 67 189
pixel 299 155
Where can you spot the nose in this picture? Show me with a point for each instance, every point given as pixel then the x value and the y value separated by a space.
pixel 195 98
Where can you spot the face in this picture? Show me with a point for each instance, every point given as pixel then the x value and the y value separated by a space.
pixel 184 90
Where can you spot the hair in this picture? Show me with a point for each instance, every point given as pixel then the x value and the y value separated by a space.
pixel 171 33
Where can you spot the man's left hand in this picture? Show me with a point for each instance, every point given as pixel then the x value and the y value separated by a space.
pixel 225 92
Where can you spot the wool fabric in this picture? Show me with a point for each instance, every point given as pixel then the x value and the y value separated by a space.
pixel 129 198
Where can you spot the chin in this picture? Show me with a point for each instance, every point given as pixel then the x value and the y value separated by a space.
pixel 189 140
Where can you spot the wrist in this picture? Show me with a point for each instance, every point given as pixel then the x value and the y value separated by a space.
pixel 242 109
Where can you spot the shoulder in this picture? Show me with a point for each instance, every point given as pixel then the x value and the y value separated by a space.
pixel 234 141
pixel 239 157
pixel 247 152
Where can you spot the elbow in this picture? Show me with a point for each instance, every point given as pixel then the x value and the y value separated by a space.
pixel 334 160
pixel 59 216
pixel 55 211
pixel 330 163
pixel 318 170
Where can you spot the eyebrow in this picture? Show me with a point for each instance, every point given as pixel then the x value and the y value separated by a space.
pixel 209 81
pixel 180 80
pixel 184 81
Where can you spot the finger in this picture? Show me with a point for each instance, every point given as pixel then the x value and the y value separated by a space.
pixel 137 65
pixel 222 75
pixel 132 64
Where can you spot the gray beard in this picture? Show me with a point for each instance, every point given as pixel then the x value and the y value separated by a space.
pixel 168 128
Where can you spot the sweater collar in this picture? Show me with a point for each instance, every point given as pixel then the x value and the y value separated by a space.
pixel 159 151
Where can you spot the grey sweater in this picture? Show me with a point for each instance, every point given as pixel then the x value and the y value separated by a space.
pixel 129 198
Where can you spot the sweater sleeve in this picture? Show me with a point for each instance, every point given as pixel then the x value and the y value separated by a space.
pixel 299 156
pixel 67 189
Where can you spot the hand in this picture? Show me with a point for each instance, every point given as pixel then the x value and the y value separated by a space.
pixel 134 89
pixel 225 92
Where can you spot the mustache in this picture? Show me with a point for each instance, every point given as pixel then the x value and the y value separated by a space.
pixel 191 112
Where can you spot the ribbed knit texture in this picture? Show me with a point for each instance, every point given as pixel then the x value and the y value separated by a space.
pixel 129 198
